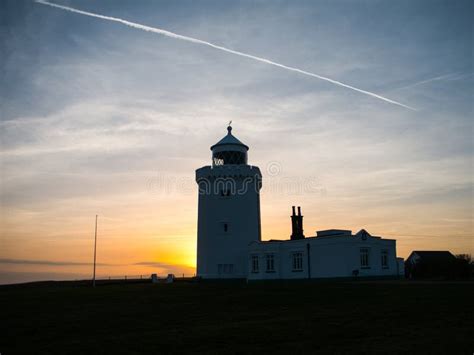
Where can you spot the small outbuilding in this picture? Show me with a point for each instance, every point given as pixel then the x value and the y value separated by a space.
pixel 430 264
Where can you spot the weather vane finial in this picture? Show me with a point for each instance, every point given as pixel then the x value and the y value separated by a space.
pixel 230 123
pixel 229 127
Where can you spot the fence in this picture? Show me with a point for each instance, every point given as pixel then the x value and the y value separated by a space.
pixel 143 277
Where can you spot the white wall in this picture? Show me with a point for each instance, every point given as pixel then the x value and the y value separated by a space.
pixel 241 212
pixel 329 257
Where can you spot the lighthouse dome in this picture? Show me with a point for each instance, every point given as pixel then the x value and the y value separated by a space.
pixel 229 150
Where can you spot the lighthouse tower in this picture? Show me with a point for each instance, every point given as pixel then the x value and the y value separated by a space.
pixel 228 211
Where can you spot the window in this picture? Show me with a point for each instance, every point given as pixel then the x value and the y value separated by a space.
pixel 384 260
pixel 228 268
pixel 229 157
pixel 364 258
pixel 297 261
pixel 225 227
pixel 225 269
pixel 270 263
pixel 225 193
pixel 218 161
pixel 255 263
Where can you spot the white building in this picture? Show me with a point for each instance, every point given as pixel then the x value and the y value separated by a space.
pixel 229 236
pixel 330 254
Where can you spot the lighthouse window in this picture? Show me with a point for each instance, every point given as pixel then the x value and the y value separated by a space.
pixel 270 262
pixel 297 261
pixel 224 227
pixel 228 268
pixel 225 269
pixel 225 192
pixel 218 161
pixel 229 157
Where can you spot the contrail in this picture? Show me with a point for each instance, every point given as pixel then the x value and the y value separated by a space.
pixel 198 41
pixel 426 81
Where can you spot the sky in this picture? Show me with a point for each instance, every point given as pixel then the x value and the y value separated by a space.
pixel 100 118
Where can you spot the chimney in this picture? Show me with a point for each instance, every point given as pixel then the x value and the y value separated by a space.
pixel 296 225
pixel 293 223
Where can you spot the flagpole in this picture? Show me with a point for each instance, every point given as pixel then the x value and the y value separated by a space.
pixel 95 251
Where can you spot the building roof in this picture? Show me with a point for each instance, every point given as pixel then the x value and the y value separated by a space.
pixel 363 233
pixel 334 233
pixel 229 139
pixel 433 255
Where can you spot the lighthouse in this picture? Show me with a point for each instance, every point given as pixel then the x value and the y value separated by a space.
pixel 228 210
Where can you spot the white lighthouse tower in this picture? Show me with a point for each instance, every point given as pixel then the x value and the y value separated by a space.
pixel 228 212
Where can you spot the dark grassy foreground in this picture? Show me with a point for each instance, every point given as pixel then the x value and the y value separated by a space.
pixel 393 317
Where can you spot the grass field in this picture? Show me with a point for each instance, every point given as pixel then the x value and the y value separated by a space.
pixel 342 317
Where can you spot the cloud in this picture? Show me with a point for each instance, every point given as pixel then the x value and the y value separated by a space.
pixel 12 277
pixel 160 267
pixel 157 264
pixel 160 264
pixel 47 262
pixel 152 263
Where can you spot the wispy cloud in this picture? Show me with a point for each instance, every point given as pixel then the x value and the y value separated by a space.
pixel 159 264
pixel 47 262
pixel 76 263
pixel 447 77
pixel 228 50
pixel 151 263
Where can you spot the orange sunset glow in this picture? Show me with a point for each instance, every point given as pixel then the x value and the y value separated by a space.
pixel 107 118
